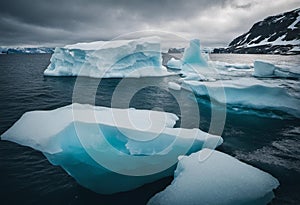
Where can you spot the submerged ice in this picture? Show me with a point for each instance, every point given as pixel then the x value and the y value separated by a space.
pixel 109 150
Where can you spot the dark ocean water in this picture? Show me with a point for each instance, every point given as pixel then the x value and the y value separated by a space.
pixel 271 144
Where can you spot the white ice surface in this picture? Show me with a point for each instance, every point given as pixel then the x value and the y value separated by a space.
pixel 263 69
pixel 219 179
pixel 250 93
pixel 174 64
pixel 109 150
pixel 267 69
pixel 109 59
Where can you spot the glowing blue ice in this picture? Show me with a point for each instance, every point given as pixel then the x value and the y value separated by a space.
pixel 109 150
pixel 192 54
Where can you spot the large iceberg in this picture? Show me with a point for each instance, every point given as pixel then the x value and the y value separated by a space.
pixel 109 150
pixel 109 59
pixel 217 179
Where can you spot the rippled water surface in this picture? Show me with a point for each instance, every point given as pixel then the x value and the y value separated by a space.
pixel 271 144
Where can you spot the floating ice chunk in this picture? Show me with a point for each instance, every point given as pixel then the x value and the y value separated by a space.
pixel 249 93
pixel 194 64
pixel 266 69
pixel 287 72
pixel 217 179
pixel 109 59
pixel 227 66
pixel 174 86
pixel 239 66
pixel 282 74
pixel 192 54
pixel 174 64
pixel 263 69
pixel 193 61
pixel 109 150
pixel 40 136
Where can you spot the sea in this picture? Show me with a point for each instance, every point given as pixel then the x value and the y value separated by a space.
pixel 271 144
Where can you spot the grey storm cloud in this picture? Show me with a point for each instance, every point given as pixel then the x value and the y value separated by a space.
pixel 215 22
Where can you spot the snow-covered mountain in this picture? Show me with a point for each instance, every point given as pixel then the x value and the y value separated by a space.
pixel 26 50
pixel 278 34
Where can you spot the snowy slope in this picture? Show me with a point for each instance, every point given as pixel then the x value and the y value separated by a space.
pixel 275 34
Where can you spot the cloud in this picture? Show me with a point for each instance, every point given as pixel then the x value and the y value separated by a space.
pixel 215 22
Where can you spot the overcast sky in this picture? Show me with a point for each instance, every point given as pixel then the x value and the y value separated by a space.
pixel 59 22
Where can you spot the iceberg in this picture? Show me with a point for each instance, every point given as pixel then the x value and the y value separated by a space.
pixel 109 59
pixel 267 69
pixel 195 65
pixel 192 54
pixel 258 86
pixel 249 93
pixel 236 85
pixel 217 179
pixel 174 64
pixel 109 150
pixel 192 57
pixel 232 66
pixel 263 69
